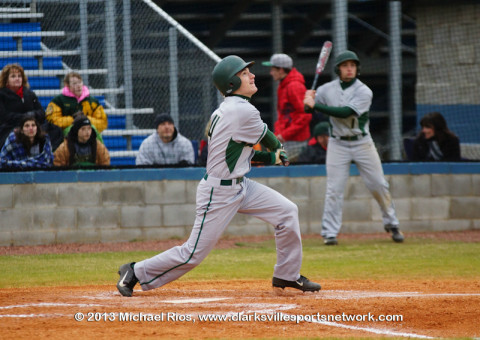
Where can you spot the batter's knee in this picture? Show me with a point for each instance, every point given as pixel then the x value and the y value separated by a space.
pixel 289 217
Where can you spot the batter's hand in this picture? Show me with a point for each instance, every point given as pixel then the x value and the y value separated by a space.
pixel 309 100
pixel 281 157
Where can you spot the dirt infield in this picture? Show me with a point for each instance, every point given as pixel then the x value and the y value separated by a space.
pixel 252 309
pixel 244 309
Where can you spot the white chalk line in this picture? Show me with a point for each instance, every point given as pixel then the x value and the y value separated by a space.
pixel 198 300
pixel 372 330
pixel 351 294
pixel 50 304
pixel 30 315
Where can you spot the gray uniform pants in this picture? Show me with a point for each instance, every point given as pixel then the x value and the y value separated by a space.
pixel 216 206
pixel 340 154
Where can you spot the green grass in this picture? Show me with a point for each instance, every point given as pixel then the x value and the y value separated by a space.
pixel 352 259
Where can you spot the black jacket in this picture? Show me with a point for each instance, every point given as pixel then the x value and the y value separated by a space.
pixel 313 154
pixel 12 109
pixel 450 148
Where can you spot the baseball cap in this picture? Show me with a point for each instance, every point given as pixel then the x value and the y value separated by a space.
pixel 279 60
pixel 321 129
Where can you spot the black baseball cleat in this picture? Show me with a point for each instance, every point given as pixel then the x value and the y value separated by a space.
pixel 397 235
pixel 330 241
pixel 127 280
pixel 302 284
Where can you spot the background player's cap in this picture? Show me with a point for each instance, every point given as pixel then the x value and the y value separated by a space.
pixel 320 129
pixel 279 60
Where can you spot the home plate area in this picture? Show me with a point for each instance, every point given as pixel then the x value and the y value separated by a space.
pixel 245 309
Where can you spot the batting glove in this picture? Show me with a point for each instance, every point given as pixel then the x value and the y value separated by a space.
pixel 281 157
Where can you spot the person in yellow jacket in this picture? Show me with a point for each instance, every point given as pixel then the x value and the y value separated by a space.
pixel 75 100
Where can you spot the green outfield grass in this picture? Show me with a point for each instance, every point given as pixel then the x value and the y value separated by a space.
pixel 352 259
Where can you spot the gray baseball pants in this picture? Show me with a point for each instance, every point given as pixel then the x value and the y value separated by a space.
pixel 340 154
pixel 216 205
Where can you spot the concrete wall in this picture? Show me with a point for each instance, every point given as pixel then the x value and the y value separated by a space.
pixel 126 205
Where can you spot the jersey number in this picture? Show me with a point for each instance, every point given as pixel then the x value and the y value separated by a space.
pixel 213 123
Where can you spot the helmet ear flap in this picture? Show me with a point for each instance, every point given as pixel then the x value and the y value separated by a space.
pixel 234 85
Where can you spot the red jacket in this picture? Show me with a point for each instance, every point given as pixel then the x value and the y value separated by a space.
pixel 292 123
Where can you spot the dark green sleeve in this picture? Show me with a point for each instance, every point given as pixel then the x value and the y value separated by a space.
pixel 264 157
pixel 270 141
pixel 339 112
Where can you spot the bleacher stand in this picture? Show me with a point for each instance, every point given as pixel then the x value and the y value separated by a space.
pixel 22 43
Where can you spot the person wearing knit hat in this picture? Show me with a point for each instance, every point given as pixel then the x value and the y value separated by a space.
pixel 317 153
pixel 166 145
pixel 81 147
pixel 292 127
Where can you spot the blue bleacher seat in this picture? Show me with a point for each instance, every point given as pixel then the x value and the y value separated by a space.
pixel 52 63
pixel 137 141
pixel 31 44
pixel 44 83
pixel 116 122
pixel 45 101
pixel 115 143
pixel 28 44
pixel 122 161
pixel 19 27
pixel 28 63
pixel 7 44
pixel 101 99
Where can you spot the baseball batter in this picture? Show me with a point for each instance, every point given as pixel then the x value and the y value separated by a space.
pixel 347 101
pixel 235 127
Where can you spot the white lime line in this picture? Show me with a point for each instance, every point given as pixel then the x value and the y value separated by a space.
pixel 29 315
pixel 203 300
pixel 372 330
pixel 350 294
pixel 49 304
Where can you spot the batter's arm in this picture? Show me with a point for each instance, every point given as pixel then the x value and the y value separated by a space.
pixel 276 153
pixel 270 141
pixel 338 112
pixel 264 157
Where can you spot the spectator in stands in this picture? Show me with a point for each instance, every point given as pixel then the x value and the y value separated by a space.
pixel 292 127
pixel 16 99
pixel 27 146
pixel 166 145
pixel 435 141
pixel 317 153
pixel 81 147
pixel 74 101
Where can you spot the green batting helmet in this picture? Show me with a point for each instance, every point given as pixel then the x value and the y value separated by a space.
pixel 344 56
pixel 224 74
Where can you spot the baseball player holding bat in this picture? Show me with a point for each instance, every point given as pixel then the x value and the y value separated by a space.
pixel 346 100
pixel 235 128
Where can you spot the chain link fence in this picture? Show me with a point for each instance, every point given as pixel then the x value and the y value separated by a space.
pixel 131 57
